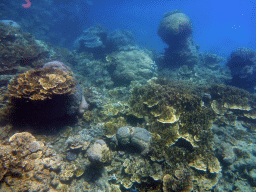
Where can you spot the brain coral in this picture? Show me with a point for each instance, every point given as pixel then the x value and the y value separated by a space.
pixel 41 84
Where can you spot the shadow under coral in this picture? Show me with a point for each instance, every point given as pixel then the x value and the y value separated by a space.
pixel 44 116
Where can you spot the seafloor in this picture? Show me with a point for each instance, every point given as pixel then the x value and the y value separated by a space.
pixel 137 127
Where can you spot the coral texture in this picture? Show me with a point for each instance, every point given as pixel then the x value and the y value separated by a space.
pixel 41 84
pixel 175 27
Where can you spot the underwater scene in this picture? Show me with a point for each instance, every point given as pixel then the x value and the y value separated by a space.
pixel 127 96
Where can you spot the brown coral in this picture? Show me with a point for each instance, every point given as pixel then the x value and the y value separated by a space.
pixel 181 181
pixel 29 165
pixel 41 84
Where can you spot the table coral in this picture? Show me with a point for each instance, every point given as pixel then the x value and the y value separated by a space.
pixel 41 84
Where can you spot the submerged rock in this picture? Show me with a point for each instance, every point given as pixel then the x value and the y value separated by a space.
pixel 135 137
pixel 71 156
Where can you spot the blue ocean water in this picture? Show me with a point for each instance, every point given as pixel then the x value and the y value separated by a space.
pixel 218 26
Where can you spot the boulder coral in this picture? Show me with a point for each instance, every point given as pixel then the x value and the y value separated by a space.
pixel 99 153
pixel 174 28
pixel 45 93
pixel 134 138
pixel 131 65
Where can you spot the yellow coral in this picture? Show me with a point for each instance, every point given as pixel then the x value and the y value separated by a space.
pixel 168 116
pixel 41 84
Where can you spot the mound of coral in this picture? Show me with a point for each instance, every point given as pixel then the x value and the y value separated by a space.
pixel 41 84
pixel 174 28
pixel 45 94
pixel 131 65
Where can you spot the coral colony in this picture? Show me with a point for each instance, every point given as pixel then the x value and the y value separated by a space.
pixel 112 116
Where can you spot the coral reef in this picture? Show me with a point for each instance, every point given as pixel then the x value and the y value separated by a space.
pixel 28 164
pixel 179 116
pixel 129 169
pixel 206 69
pixel 181 181
pixel 235 146
pixel 175 30
pixel 21 50
pixel 242 63
pixel 91 72
pixel 34 165
pixel 176 150
pixel 211 60
pixel 151 134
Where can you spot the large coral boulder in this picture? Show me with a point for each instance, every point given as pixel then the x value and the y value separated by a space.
pixel 45 94
pixel 132 65
pixel 175 27
pixel 175 30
